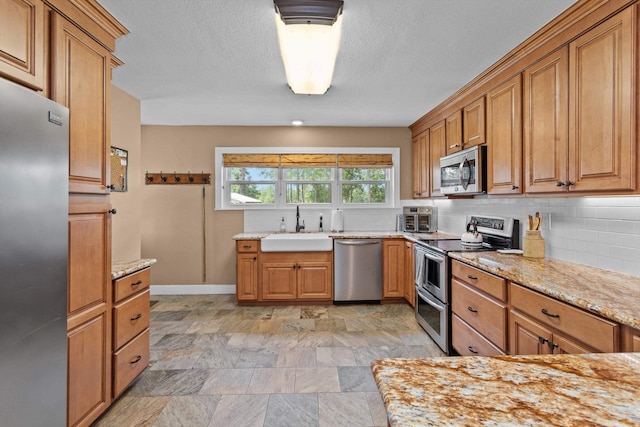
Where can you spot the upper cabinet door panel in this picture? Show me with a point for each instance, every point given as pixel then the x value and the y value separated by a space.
pixel 81 69
pixel 504 137
pixel 473 119
pixel 602 147
pixel 454 132
pixel 545 123
pixel 437 149
pixel 22 28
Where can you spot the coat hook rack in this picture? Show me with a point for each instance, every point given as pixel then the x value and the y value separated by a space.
pixel 188 178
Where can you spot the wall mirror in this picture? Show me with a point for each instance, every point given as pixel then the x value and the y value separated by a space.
pixel 119 167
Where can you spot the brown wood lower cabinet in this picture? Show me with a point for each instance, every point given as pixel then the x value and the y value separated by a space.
pixel 393 268
pixel 296 276
pixel 469 342
pixel 409 277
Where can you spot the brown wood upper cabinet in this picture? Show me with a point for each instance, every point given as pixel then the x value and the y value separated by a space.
pixel 546 132
pixel 421 170
pixel 22 29
pixel 454 132
pixel 504 137
pixel 82 76
pixel 602 99
pixel 473 119
pixel 437 149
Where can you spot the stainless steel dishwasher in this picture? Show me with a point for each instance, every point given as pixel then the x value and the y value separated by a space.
pixel 358 270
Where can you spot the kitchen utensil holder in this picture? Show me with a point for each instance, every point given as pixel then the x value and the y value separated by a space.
pixel 533 244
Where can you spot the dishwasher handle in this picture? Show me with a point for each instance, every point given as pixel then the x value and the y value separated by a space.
pixel 360 242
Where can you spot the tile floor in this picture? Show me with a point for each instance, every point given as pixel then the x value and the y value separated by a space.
pixel 213 364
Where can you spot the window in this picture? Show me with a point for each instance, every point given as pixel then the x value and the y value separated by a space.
pixel 328 178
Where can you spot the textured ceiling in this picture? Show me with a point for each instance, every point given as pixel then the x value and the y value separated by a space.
pixel 216 62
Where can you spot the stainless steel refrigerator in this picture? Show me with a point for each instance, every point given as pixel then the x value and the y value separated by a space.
pixel 34 162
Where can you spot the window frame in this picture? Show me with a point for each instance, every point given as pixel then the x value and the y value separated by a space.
pixel 222 195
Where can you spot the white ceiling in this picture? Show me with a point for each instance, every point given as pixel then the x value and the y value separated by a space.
pixel 217 62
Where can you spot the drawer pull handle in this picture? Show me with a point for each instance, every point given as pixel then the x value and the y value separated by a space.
pixel 246 247
pixel 139 282
pixel 546 313
pixel 471 277
pixel 136 360
pixel 542 340
pixel 551 345
pixel 471 309
pixel 136 317
pixel 472 350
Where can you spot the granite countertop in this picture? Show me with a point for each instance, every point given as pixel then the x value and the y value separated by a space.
pixel 612 295
pixel 438 235
pixel 591 389
pixel 120 267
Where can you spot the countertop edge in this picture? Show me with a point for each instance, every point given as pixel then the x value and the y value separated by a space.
pixel 121 268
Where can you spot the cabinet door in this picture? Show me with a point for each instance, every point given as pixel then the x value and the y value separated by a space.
pixel 563 345
pixel 22 44
pixel 454 132
pixel 473 124
pixel 504 137
pixel 437 149
pixel 89 256
pixel 82 74
pixel 546 132
pixel 409 285
pixel 247 282
pixel 602 99
pixel 527 336
pixel 315 280
pixel 279 280
pixel 393 268
pixel 420 153
pixel 89 368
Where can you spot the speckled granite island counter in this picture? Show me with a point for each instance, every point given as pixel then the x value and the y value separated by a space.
pixel 120 268
pixel 567 390
pixel 612 295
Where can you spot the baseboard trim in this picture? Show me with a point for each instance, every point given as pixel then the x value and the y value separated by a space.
pixel 192 289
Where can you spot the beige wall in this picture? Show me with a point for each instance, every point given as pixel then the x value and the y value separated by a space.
pixel 172 217
pixel 126 240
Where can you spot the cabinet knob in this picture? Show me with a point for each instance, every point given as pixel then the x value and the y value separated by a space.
pixel 112 211
pixel 111 187
pixel 559 184
pixel 514 187
pixel 454 146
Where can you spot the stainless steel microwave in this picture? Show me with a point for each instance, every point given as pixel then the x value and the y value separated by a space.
pixel 464 172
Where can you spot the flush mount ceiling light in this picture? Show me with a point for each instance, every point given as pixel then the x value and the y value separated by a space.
pixel 297 122
pixel 309 37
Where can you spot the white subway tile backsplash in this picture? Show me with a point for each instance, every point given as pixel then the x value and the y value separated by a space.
pixel 609 263
pixel 621 226
pixel 631 268
pixel 623 253
pixel 596 224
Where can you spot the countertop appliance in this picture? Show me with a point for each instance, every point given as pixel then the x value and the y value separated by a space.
pixel 34 153
pixel 464 172
pixel 357 267
pixel 432 276
pixel 419 219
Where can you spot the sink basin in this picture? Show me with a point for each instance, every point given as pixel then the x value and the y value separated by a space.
pixel 297 242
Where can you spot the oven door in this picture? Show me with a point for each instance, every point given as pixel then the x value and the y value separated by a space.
pixel 431 272
pixel 411 222
pixel 433 316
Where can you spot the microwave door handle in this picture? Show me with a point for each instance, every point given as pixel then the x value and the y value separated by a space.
pixel 462 166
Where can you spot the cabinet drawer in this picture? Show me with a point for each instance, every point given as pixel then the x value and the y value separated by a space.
pixel 130 361
pixel 596 332
pixel 485 315
pixel 469 342
pixel 247 245
pixel 130 318
pixel 486 282
pixel 130 284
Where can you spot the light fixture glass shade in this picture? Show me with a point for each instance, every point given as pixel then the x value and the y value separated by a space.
pixel 309 54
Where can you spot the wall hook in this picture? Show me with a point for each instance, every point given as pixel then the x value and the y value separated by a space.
pixel 190 178
pixel 176 177
pixel 163 178
pixel 149 177
pixel 204 178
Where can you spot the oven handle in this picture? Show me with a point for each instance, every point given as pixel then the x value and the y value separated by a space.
pixel 432 257
pixel 428 300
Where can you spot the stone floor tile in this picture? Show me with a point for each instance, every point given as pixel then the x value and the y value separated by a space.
pixel 335 356
pixel 314 312
pixel 177 382
pixel 211 341
pixel 315 338
pixel 376 406
pixel 177 359
pixel 314 380
pixel 382 338
pixel 222 358
pixel 330 325
pixel 297 357
pixel 227 381
pixel 344 409
pixel 168 316
pixel 280 340
pixel 365 355
pixel 299 325
pixel 243 410
pixel 356 378
pixel 268 326
pixel 188 411
pixel 175 341
pixel 245 340
pixel 133 411
pixel 286 313
pixel 292 410
pixel 361 324
pixel 272 380
pixel 257 358
pixel 349 339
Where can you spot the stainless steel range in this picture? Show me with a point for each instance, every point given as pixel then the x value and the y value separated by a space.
pixel 432 278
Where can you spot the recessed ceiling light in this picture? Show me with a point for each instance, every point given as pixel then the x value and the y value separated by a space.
pixel 297 122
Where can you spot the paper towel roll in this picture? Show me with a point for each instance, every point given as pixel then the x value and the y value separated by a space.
pixel 337 220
